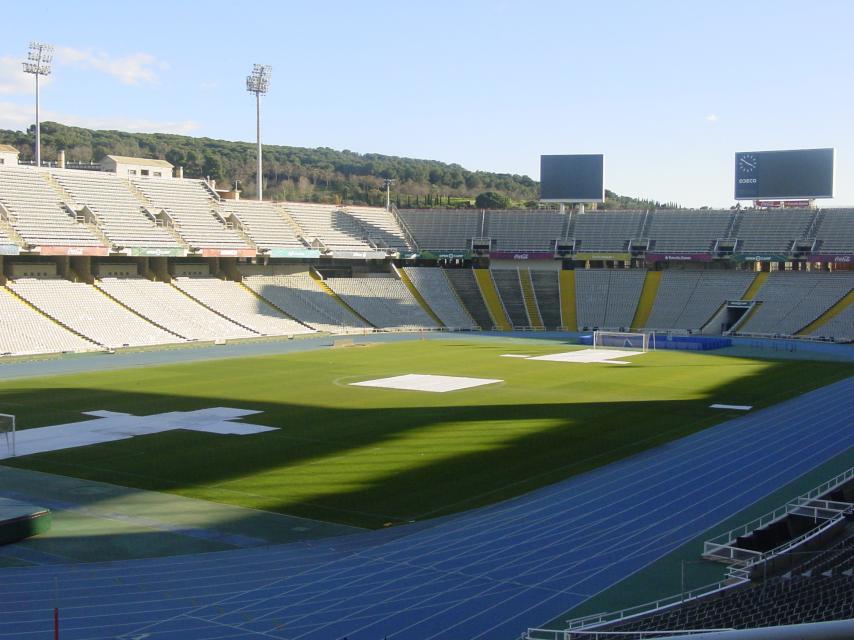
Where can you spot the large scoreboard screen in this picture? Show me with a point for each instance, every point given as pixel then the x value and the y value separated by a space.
pixel 784 175
pixel 572 178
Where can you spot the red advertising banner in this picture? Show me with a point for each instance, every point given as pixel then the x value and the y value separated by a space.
pixel 521 255
pixel 228 253
pixel 73 251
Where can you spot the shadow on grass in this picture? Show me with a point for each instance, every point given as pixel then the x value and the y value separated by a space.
pixel 373 466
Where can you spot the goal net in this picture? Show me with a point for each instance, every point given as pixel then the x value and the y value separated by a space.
pixel 623 340
pixel 7 434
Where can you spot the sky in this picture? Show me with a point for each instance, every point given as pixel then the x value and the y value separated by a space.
pixel 667 90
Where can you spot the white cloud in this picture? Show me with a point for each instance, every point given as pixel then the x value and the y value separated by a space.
pixel 19 117
pixel 711 118
pixel 13 80
pixel 136 68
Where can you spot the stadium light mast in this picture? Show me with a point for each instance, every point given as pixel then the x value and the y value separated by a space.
pixel 388 182
pixel 258 82
pixel 38 64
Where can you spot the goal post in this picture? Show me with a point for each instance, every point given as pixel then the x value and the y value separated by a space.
pixel 7 433
pixel 635 341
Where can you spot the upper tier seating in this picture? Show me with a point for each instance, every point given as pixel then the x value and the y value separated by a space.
pixel 442 230
pixel 510 292
pixel 167 306
pixel 687 299
pixel 264 223
pixel 465 284
pixel 607 298
pixel 547 290
pixel 432 284
pixel 772 230
pixel 36 212
pixel 119 212
pixel 525 230
pixel 836 231
pixel 384 301
pixel 238 304
pixel 326 223
pixel 300 296
pixel 607 230
pixel 89 312
pixel 192 208
pixel 24 331
pixel 793 299
pixel 380 227
pixel 687 231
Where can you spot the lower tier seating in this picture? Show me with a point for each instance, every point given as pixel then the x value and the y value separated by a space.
pixel 465 285
pixel 89 312
pixel 240 305
pixel 385 302
pixel 434 287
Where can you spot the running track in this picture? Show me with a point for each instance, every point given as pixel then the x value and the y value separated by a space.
pixel 489 573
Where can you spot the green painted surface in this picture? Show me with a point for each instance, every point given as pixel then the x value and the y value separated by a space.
pixel 366 457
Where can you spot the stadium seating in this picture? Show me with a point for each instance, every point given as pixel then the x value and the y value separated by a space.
pixel 168 307
pixel 687 298
pixel 328 225
pixel 89 312
pixel 443 230
pixel 36 211
pixel 240 305
pixel 434 286
pixel 384 301
pixel 263 223
pixel 687 231
pixel 25 331
pixel 465 285
pixel 793 299
pixel 118 210
pixel 547 290
pixel 607 298
pixel 510 291
pixel 380 227
pixel 835 231
pixel 840 327
pixel 300 297
pixel 524 230
pixel 192 208
pixel 772 231
pixel 607 230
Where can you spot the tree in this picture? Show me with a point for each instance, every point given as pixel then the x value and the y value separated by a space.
pixel 492 200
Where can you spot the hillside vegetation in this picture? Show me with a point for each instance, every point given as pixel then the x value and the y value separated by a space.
pixel 297 173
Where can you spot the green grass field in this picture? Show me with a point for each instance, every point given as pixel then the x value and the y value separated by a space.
pixel 367 457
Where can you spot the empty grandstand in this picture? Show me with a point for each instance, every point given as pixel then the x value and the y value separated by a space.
pixel 263 223
pixel 240 305
pixel 117 211
pixel 792 300
pixel 90 313
pixel 190 208
pixel 35 209
pixel 434 286
pixel 328 227
pixel 607 298
pixel 687 299
pixel 465 285
pixel 384 301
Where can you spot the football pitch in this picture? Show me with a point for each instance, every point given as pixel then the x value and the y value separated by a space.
pixel 370 456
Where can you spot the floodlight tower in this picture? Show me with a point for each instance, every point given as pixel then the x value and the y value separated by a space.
pixel 38 64
pixel 388 182
pixel 258 82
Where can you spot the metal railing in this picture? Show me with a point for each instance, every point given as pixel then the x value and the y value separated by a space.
pixel 726 539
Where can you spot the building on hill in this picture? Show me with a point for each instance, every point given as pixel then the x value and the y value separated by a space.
pixel 132 167
pixel 8 155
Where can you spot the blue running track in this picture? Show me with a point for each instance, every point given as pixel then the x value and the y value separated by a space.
pixel 489 573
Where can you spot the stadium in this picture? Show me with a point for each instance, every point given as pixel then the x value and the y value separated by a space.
pixel 235 418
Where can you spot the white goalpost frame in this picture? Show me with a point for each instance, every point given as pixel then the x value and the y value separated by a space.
pixel 625 340
pixel 7 427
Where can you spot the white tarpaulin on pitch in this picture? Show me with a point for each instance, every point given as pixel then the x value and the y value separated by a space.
pixel 112 426
pixel 420 382
pixel 609 356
